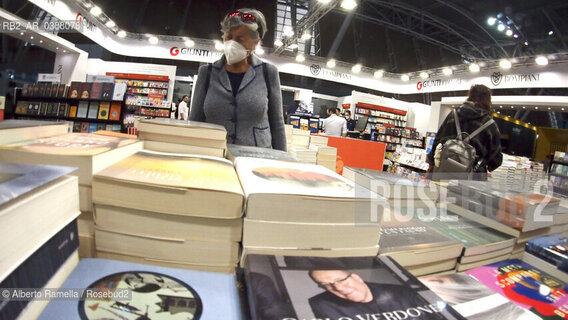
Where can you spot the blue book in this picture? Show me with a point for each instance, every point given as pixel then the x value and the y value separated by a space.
pixel 156 293
pixel 552 248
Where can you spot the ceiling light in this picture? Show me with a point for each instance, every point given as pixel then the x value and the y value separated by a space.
pixel 330 63
pixel 404 77
pixel 548 108
pixel 293 46
pixel 551 32
pixel 153 40
pixel 56 48
pixel 536 108
pixel 501 107
pixel 96 11
pixel 512 107
pixel 515 36
pixel 189 43
pixel 498 111
pixel 505 64
pixel 121 34
pixel 474 67
pixel 306 36
pixel 348 4
pixel 110 24
pixel 64 51
pixel 448 71
pixel 21 33
pixel 278 43
pixel 356 68
pixel 526 43
pixel 300 58
pixel 509 32
pixel 424 75
pixel 524 107
pixel 541 60
pixel 32 37
pixel 40 41
pixel 562 109
pixel 259 51
pixel 501 27
pixel 324 1
pixel 379 74
pixel 288 32
pixel 491 21
pixel 219 46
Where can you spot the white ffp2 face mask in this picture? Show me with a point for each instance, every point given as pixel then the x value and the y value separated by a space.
pixel 234 52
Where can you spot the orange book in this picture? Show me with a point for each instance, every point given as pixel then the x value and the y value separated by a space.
pixel 115 108
pixel 72 111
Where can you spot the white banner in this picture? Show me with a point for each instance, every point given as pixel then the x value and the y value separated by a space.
pixel 49 77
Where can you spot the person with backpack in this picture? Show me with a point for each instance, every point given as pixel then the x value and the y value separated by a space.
pixel 240 91
pixel 468 143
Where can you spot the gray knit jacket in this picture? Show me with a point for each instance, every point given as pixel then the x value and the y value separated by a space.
pixel 251 118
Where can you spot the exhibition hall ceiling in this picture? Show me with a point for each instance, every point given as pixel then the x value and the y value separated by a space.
pixel 394 35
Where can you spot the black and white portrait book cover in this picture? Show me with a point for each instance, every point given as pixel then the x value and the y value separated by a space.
pixel 352 288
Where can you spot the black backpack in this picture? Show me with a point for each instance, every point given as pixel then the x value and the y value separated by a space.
pixel 458 158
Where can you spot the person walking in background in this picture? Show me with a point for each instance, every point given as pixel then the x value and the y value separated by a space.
pixel 334 125
pixel 240 91
pixel 472 114
pixel 182 108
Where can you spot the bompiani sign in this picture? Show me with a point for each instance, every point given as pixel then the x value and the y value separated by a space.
pixel 317 70
pixel 498 78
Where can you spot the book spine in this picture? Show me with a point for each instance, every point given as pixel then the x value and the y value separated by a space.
pixel 546 254
pixel 36 271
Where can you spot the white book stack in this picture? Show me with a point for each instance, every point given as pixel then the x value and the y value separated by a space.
pixel 518 173
pixel 318 141
pixel 326 156
pixel 300 138
pixel 304 154
pixel 288 130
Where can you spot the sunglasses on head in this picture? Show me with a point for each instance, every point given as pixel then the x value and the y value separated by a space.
pixel 246 18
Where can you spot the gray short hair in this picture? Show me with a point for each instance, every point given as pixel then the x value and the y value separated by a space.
pixel 229 23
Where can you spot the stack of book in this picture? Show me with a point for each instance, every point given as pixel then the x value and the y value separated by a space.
pixel 285 287
pixel 518 173
pixel 300 138
pixel 318 141
pixel 481 244
pixel 326 156
pixel 306 155
pixel 400 192
pixel 12 131
pixel 89 153
pixel 184 137
pixel 304 209
pixel 38 210
pixel 234 151
pixel 550 254
pixel 415 245
pixel 169 209
pixel 521 215
pixel 122 290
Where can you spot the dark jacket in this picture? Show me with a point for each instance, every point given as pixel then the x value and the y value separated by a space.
pixel 487 144
pixel 251 117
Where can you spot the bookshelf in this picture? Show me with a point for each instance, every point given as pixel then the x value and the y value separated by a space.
pixel 146 95
pixel 97 111
pixel 558 174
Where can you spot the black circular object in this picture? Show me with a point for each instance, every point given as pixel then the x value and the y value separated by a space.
pixel 153 296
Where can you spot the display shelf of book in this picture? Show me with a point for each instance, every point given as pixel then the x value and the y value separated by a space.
pixel 96 111
pixel 558 174
pixel 146 95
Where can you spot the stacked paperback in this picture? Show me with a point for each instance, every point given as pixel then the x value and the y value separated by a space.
pixel 38 210
pixel 180 136
pixel 89 153
pixel 305 209
pixel 169 209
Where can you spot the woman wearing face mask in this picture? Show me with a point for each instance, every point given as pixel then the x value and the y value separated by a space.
pixel 239 91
